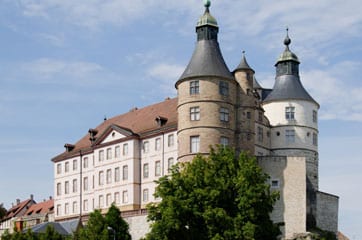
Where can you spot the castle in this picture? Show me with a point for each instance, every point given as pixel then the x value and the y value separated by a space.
pixel 119 160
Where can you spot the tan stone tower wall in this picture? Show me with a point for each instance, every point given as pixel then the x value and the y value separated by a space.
pixel 210 128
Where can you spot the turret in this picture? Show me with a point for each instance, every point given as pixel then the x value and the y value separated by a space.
pixel 206 94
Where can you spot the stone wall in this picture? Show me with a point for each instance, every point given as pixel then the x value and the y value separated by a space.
pixel 138 226
pixel 327 212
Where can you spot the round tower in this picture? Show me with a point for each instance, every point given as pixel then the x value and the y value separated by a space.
pixel 206 95
pixel 292 112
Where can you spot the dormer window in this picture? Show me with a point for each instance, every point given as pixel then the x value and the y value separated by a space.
pixel 161 121
pixel 69 147
pixel 290 113
pixel 92 134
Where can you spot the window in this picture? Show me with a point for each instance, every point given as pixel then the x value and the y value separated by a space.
pixel 66 167
pixel 157 168
pixel 194 144
pixel 109 176
pixel 85 205
pixel 66 187
pixel 66 208
pixel 248 115
pixel 117 152
pixel 109 153
pixel 260 116
pixel 224 88
pixel 146 146
pixel 158 144
pixel 108 199
pixel 224 141
pixel 85 162
pixel 260 134
pixel 194 87
pixel 75 185
pixel 85 183
pixel 274 183
pixel 224 114
pixel 58 209
pixel 116 197
pixel 100 155
pixel 289 113
pixel 171 140
pixel 116 174
pixel 195 113
pixel 289 136
pixel 125 172
pixel 169 164
pixel 101 201
pixel 101 178
pixel 75 207
pixel 315 116
pixel 125 149
pixel 75 165
pixel 315 139
pixel 145 195
pixel 145 170
pixel 59 189
pixel 59 168
pixel 125 197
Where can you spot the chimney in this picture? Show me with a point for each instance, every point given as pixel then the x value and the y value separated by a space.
pixel 17 201
pixel 50 198
pixel 32 197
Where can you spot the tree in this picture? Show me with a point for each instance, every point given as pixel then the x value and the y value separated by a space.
pixel 3 211
pixel 215 197
pixel 96 228
pixel 118 225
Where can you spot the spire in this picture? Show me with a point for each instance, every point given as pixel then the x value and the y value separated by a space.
pixel 243 65
pixel 287 55
pixel 207 59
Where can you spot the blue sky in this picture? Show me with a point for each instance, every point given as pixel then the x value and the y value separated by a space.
pixel 65 65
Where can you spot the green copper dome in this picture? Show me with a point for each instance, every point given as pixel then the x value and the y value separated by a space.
pixel 287 55
pixel 207 18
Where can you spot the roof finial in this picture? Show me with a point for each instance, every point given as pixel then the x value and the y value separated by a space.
pixel 207 3
pixel 287 40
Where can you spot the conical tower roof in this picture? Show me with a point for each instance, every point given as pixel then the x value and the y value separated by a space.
pixel 243 65
pixel 207 59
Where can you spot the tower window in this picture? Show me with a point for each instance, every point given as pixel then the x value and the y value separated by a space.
pixel 195 113
pixel 260 134
pixel 224 114
pixel 224 88
pixel 194 144
pixel 194 87
pixel 224 141
pixel 315 116
pixel 289 113
pixel 315 139
pixel 289 136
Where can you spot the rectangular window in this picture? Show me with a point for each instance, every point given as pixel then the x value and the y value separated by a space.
pixel 101 178
pixel 117 152
pixel 248 115
pixel 125 149
pixel 125 172
pixel 66 167
pixel 85 205
pixel 169 164
pixel 59 168
pixel 224 88
pixel 66 208
pixel 145 170
pixel 290 113
pixel 146 147
pixel 101 156
pixel 125 197
pixel 194 87
pixel 289 136
pixel 75 185
pixel 224 141
pixel 260 116
pixel 101 201
pixel 59 189
pixel 75 207
pixel 274 183
pixel 171 140
pixel 109 176
pixel 194 144
pixel 315 116
pixel 116 197
pixel 116 174
pixel 85 162
pixel 66 187
pixel 260 134
pixel 195 113
pixel 145 195
pixel 157 168
pixel 315 139
pixel 58 210
pixel 109 153
pixel 108 199
pixel 75 165
pixel 158 144
pixel 85 183
pixel 224 114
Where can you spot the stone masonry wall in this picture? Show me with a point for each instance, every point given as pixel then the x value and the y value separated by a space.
pixel 327 212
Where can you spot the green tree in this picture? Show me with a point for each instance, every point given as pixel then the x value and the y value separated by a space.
pixel 3 211
pixel 215 197
pixel 117 224
pixel 50 233
pixel 96 228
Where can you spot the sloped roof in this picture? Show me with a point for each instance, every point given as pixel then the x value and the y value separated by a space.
pixel 41 208
pixel 15 210
pixel 138 121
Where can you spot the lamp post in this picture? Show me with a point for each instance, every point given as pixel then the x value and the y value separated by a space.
pixel 113 232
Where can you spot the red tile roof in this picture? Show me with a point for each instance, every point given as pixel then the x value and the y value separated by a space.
pixel 139 121
pixel 16 210
pixel 41 208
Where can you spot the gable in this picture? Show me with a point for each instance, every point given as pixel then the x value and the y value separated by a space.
pixel 113 133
